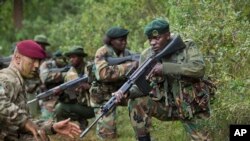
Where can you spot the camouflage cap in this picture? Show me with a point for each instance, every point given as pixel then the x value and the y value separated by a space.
pixel 156 27
pixel 77 50
pixel 42 39
pixel 116 32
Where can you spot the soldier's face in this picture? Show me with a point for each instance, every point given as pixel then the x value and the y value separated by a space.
pixel 60 62
pixel 119 43
pixel 29 67
pixel 75 60
pixel 158 42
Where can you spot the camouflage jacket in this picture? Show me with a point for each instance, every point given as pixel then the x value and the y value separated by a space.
pixel 110 77
pixel 181 71
pixel 13 108
pixel 48 77
pixel 74 93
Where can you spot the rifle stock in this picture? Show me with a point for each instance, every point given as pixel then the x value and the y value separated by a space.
pixel 115 61
pixel 61 87
pixel 175 45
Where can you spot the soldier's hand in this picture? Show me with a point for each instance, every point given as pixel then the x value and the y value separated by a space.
pixel 83 86
pixel 67 128
pixel 119 96
pixel 156 71
pixel 42 135
pixel 31 127
pixel 135 64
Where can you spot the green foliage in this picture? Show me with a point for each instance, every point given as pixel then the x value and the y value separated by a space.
pixel 220 29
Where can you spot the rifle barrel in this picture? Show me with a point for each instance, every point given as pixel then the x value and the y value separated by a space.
pixel 91 125
pixel 61 87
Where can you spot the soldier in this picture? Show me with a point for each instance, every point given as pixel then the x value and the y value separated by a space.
pixel 43 42
pixel 109 77
pixel 178 92
pixel 52 73
pixel 16 123
pixel 73 102
pixel 34 85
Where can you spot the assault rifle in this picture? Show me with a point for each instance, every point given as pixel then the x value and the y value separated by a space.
pixel 115 61
pixel 59 88
pixel 5 61
pixel 138 76
pixel 64 69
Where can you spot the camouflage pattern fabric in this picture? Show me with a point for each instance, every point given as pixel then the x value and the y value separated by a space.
pixel 179 95
pixel 81 96
pixel 13 108
pixel 74 103
pixel 50 77
pixel 32 88
pixel 49 80
pixel 109 79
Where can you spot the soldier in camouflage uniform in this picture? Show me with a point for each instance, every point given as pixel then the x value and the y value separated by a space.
pixel 177 92
pixel 42 40
pixel 109 77
pixel 52 73
pixel 33 85
pixel 74 102
pixel 15 121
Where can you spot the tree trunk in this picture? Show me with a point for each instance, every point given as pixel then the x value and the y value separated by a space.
pixel 18 13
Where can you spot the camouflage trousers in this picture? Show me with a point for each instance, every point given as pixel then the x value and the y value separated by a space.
pixel 75 111
pixel 141 111
pixel 106 126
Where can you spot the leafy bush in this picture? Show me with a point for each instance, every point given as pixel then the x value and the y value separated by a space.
pixel 220 29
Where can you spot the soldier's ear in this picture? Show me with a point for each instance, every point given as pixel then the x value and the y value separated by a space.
pixel 168 35
pixel 17 58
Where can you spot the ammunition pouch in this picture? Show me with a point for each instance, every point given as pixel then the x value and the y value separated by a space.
pixel 194 98
pixel 135 92
pixel 96 95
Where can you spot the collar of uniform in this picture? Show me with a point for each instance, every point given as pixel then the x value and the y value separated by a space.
pixel 16 72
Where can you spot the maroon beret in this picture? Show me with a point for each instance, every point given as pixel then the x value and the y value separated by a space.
pixel 31 49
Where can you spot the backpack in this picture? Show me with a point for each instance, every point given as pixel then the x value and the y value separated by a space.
pixel 196 94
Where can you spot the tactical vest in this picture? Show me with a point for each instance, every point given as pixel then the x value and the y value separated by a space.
pixel 188 96
pixel 101 91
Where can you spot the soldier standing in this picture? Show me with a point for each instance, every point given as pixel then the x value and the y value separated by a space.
pixel 109 77
pixel 73 102
pixel 16 123
pixel 178 92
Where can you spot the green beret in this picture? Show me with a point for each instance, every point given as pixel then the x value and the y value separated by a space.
pixel 156 27
pixel 77 50
pixel 117 32
pixel 42 39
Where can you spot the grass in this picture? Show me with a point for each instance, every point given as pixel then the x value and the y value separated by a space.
pixel 161 131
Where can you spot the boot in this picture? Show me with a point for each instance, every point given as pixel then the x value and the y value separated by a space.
pixel 144 138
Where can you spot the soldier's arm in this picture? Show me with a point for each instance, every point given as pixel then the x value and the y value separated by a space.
pixel 10 113
pixel 193 67
pixel 48 76
pixel 106 72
